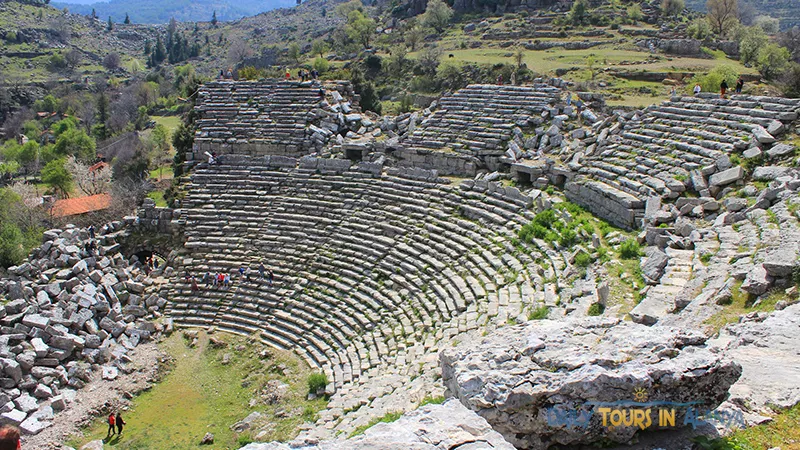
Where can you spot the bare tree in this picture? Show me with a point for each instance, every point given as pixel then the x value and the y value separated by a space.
pixel 32 214
pixel 238 52
pixel 90 182
pixel 722 14
pixel 791 40
pixel 746 13
pixel 73 58
pixel 111 61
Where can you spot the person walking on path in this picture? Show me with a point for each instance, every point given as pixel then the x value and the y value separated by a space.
pixel 227 280
pixel 120 423
pixel 271 277
pixel 723 88
pixel 9 438
pixel 739 85
pixel 91 227
pixel 111 423
pixel 261 270
pixel 248 272
pixel 241 272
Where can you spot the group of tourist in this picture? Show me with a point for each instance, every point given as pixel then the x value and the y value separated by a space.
pixel 115 421
pixel 226 75
pixel 304 75
pixel 150 264
pixel 723 88
pixel 223 280
pixel 10 437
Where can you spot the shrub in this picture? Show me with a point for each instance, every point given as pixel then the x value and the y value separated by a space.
pixel 568 238
pixel 321 65
pixel 539 313
pixel 583 259
pixel 317 382
pixel 596 309
pixel 711 81
pixel 629 249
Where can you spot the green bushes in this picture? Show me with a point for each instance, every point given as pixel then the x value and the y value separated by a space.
pixel 629 249
pixel 539 313
pixel 583 259
pixel 317 382
pixel 596 309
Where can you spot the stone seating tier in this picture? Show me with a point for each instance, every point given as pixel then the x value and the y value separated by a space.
pixel 479 119
pixel 670 144
pixel 365 267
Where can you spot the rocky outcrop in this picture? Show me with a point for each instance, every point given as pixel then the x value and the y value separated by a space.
pixel 549 382
pixel 766 347
pixel 431 427
pixel 72 310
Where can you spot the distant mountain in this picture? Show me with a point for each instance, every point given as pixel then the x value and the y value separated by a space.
pixel 160 11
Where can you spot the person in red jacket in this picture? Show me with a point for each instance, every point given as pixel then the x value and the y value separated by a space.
pixel 9 438
pixel 111 423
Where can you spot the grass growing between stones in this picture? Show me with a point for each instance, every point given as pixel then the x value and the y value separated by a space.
pixel 741 304
pixel 201 394
pixel 783 432
pixel 387 418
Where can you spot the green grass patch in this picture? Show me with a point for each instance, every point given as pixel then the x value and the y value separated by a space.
pixel 170 122
pixel 430 400
pixel 742 303
pixel 781 432
pixel 387 418
pixel 158 196
pixel 539 313
pixel 201 394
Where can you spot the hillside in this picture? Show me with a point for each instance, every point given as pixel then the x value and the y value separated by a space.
pixel 154 11
pixel 785 11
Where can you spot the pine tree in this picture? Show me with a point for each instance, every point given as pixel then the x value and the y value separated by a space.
pixel 214 18
pixel 127 19
pixel 110 24
pixel 94 14
pixel 102 117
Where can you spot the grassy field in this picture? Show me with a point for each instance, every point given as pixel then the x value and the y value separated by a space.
pixel 170 122
pixel 201 395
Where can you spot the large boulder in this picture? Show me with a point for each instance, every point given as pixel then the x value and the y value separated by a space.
pixel 556 382
pixel 431 427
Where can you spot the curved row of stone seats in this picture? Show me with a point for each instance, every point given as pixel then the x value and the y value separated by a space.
pixel 261 117
pixel 364 266
pixel 674 147
pixel 479 119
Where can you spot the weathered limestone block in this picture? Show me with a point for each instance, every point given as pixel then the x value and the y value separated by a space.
pixel 431 427
pixel 525 379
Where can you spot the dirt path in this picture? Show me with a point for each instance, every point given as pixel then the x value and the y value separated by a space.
pixel 96 398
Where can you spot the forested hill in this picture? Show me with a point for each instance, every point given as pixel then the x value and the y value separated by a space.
pixel 160 11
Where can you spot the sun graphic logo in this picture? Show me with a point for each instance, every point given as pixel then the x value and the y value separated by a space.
pixel 640 394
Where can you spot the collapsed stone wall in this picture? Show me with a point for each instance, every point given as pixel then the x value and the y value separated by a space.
pixel 685 144
pixel 73 313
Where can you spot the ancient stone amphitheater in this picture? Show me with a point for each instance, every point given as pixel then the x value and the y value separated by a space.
pixel 400 269
pixel 383 256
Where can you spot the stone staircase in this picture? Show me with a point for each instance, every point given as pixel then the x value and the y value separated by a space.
pixel 370 271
